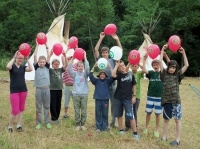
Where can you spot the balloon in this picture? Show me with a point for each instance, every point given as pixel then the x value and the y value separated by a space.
pixel 57 49
pixel 110 29
pixel 116 53
pixel 73 42
pixel 41 38
pixel 174 43
pixel 134 57
pixel 153 51
pixel 25 49
pixel 79 54
pixel 102 63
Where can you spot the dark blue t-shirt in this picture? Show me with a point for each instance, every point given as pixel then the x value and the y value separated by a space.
pixel 125 84
pixel 17 79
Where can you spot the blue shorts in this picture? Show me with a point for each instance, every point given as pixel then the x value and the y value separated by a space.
pixel 120 105
pixel 153 103
pixel 172 110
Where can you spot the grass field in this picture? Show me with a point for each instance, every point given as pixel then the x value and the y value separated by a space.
pixel 63 135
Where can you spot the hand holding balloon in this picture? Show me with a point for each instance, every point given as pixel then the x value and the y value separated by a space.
pixel 181 50
pixel 102 35
pixel 114 36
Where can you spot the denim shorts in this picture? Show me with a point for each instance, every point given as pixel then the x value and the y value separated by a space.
pixel 120 105
pixel 172 110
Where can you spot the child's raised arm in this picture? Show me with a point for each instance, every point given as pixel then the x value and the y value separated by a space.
pixel 64 60
pixel 91 76
pixel 186 64
pixel 87 67
pixel 29 67
pixel 114 36
pixel 12 61
pixel 128 66
pixel 96 49
pixel 49 54
pixel 144 70
pixel 166 57
pixel 114 71
pixel 161 56
pixel 35 54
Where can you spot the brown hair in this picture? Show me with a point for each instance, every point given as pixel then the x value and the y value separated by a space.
pixel 55 60
pixel 104 49
pixel 173 63
pixel 79 62
pixel 155 61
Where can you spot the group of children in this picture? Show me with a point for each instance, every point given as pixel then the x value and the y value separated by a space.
pixel 115 82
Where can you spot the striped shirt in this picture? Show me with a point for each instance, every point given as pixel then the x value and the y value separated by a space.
pixel 67 78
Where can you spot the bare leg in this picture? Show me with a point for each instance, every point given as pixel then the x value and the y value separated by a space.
pixel 120 123
pixel 165 129
pixel 178 130
pixel 19 118
pixel 148 117
pixel 11 120
pixel 157 121
pixel 133 125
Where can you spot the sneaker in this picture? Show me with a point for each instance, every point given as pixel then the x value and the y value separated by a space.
pixel 156 134
pixel 78 128
pixel 162 139
pixel 55 122
pixel 121 132
pixel 98 130
pixel 48 125
pixel 83 128
pixel 19 129
pixel 175 143
pixel 10 130
pixel 145 131
pixel 66 116
pixel 136 137
pixel 38 126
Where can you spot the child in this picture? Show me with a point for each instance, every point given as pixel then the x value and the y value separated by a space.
pixel 18 89
pixel 56 87
pixel 68 81
pixel 101 96
pixel 153 94
pixel 105 54
pixel 170 94
pixel 125 96
pixel 138 76
pixel 80 92
pixel 42 82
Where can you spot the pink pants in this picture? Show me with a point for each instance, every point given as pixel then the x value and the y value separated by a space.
pixel 17 101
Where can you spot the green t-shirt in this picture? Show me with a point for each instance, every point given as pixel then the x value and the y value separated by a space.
pixel 56 78
pixel 155 84
pixel 138 76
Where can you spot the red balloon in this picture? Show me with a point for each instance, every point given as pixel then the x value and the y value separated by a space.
pixel 174 43
pixel 134 57
pixel 57 49
pixel 153 51
pixel 25 49
pixel 79 54
pixel 73 42
pixel 41 38
pixel 110 29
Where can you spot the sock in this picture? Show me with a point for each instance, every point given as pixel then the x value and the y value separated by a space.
pixel 18 126
pixel 135 133
pixel 9 127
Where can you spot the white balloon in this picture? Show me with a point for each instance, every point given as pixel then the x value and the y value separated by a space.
pixel 116 53
pixel 102 63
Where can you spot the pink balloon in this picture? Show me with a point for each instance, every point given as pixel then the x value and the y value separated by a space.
pixel 41 38
pixel 134 57
pixel 57 49
pixel 25 49
pixel 153 51
pixel 79 54
pixel 110 29
pixel 174 43
pixel 73 42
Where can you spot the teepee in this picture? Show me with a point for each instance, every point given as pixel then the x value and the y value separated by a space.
pixel 54 35
pixel 148 28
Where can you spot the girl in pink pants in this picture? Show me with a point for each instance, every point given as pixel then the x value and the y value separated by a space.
pixel 18 89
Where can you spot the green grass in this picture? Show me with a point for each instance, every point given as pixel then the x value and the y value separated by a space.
pixel 63 136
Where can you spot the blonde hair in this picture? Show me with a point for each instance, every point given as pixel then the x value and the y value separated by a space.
pixel 155 61
pixel 42 58
pixel 79 62
pixel 55 60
